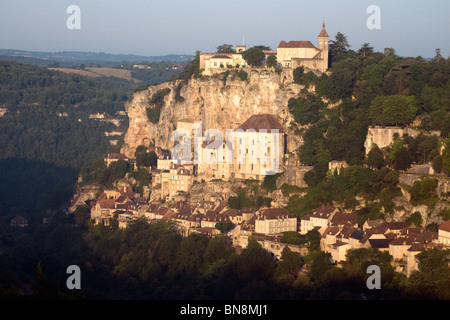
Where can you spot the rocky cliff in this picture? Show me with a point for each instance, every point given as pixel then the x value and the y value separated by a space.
pixel 219 103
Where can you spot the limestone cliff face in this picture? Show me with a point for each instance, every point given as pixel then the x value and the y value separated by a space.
pixel 217 103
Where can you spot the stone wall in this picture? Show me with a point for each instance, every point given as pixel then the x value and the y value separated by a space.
pixel 293 175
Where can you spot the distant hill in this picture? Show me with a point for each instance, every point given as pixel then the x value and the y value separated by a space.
pixel 79 57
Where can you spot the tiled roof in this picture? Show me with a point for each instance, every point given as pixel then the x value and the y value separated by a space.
pixel 296 44
pixel 323 32
pixel 262 122
pixel 221 56
pixel 380 243
pixel 445 226
pixel 274 213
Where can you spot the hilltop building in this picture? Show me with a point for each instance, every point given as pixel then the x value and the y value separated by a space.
pixel 291 54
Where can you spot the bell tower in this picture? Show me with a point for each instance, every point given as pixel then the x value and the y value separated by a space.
pixel 323 40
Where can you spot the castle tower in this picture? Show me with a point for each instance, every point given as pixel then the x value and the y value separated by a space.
pixel 324 46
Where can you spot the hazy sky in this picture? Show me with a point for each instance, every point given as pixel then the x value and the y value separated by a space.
pixel 157 27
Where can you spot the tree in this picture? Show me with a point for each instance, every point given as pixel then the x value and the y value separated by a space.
pixel 298 74
pixel 365 50
pixel 320 265
pixel 225 48
pixel 290 262
pixel 375 158
pixel 271 61
pixel 313 237
pixel 415 218
pixel 432 281
pixel 146 159
pixel 392 110
pixel 234 202
pixel 338 46
pixel 423 191
pixel 254 57
pixel 402 159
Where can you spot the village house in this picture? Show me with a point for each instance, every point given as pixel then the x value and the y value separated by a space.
pixel 19 221
pixel 238 216
pixel 242 232
pixel 319 219
pixel 178 179
pixel 110 201
pixel 275 221
pixel 76 202
pixel 444 233
pixel 113 157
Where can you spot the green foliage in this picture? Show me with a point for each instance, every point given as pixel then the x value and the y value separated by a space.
pixel 271 61
pixel 432 279
pixel 242 75
pixel 253 56
pixel 306 110
pixel 298 75
pixel 270 181
pixel 292 237
pixel 424 191
pixel 178 97
pixel 224 227
pixel 192 69
pixel 375 158
pixel 234 202
pixel 393 110
pixel 290 263
pixel 153 115
pixel 343 188
pixel 402 159
pixel 225 48
pixel 157 98
pixel 156 75
pixel 146 159
pixel 415 219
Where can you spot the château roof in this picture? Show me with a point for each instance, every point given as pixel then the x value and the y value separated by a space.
pixel 296 44
pixel 259 122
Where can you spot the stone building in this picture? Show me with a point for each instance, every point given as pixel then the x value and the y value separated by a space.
pixel 294 54
pixel 290 54
pixel 178 179
pixel 274 221
pixel 444 233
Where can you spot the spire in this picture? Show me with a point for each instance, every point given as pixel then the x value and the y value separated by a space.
pixel 323 33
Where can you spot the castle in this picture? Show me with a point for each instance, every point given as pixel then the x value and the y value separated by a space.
pixel 290 54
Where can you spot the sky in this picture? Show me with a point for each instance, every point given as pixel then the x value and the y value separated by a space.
pixel 158 27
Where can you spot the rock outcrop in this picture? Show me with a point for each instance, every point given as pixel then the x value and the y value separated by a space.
pixel 219 103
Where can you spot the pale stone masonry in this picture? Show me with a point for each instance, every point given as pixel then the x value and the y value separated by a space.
pixel 444 233
pixel 291 54
pixel 274 221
